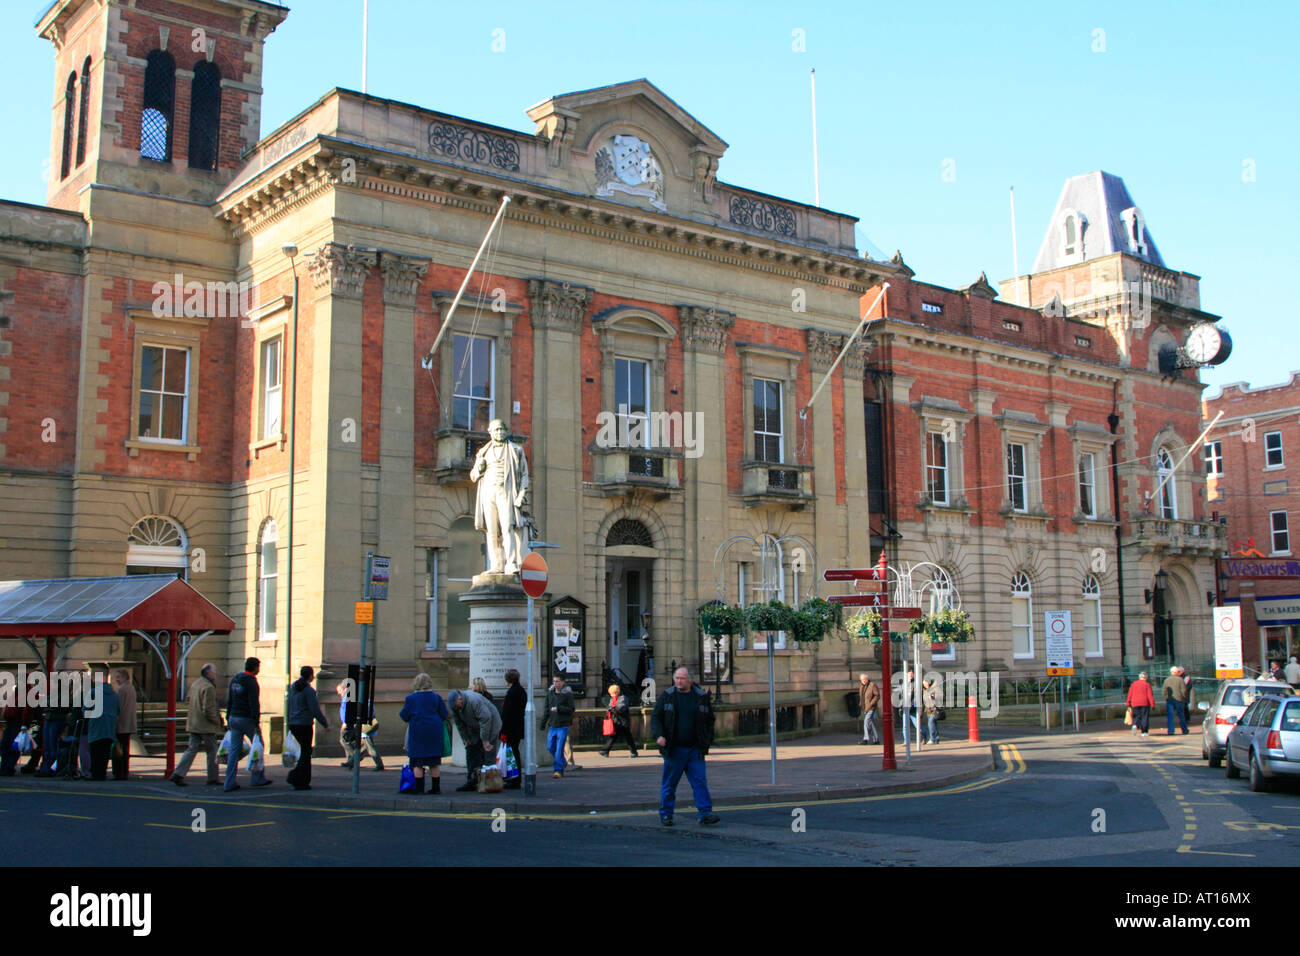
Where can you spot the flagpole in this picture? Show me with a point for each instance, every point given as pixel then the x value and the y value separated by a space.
pixel 365 42
pixel 817 188
pixel 446 320
pixel 1015 252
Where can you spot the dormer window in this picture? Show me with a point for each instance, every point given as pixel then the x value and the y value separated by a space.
pixel 1072 226
pixel 1133 229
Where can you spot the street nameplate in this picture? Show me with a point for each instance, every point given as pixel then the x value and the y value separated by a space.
pixel 859 600
pixel 851 574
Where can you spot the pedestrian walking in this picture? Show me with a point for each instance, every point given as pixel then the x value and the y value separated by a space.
pixel 479 724
pixel 15 723
pixel 244 716
pixel 1175 693
pixel 512 723
pixel 1141 699
pixel 1292 672
pixel 909 705
pixel 556 720
pixel 53 721
pixel 618 721
pixel 1275 672
pixel 102 732
pixel 682 725
pixel 868 700
pixel 126 722
pixel 424 711
pixel 304 707
pixel 352 749
pixel 930 702
pixel 203 721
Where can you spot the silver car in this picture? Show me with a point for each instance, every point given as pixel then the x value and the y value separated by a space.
pixel 1266 741
pixel 1231 701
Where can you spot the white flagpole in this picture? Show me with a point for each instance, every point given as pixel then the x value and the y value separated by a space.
pixel 817 188
pixel 803 412
pixel 365 41
pixel 446 320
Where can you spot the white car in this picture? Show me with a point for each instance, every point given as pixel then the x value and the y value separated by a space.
pixel 1229 704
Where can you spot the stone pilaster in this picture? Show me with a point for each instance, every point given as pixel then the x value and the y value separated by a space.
pixel 704 344
pixel 331 509
pixel 398 637
pixel 555 452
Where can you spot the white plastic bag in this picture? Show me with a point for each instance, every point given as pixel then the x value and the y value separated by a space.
pixel 255 754
pixel 292 752
pixel 23 742
pixel 224 750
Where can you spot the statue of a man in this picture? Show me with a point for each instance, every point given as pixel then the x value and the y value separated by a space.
pixel 501 471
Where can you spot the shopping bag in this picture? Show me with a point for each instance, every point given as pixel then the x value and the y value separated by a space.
pixel 512 766
pixel 292 752
pixel 607 727
pixel 407 783
pixel 446 739
pixel 1128 716
pixel 224 750
pixel 23 742
pixel 489 780
pixel 255 754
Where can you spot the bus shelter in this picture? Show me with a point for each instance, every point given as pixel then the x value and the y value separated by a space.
pixel 52 615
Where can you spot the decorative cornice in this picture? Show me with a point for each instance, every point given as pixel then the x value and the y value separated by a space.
pixel 704 330
pixel 473 146
pixel 823 348
pixel 762 215
pixel 402 275
pixel 343 267
pixel 558 305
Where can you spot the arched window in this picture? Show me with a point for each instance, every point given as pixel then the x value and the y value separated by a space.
pixel 268 578
pixel 85 112
pixel 627 531
pixel 1091 617
pixel 157 545
pixel 205 115
pixel 69 114
pixel 1022 616
pixel 1165 480
pixel 1071 235
pixel 159 97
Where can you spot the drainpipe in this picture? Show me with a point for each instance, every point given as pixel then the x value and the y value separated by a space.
pixel 1113 421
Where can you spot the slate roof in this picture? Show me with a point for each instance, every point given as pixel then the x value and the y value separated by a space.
pixel 1100 197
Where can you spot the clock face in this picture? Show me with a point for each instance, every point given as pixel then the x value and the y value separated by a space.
pixel 1203 343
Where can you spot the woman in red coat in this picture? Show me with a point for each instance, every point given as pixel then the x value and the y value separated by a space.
pixel 1141 699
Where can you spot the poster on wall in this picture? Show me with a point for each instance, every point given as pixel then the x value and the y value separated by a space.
pixel 1227 642
pixel 567 621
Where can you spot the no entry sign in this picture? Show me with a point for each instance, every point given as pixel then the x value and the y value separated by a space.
pixel 532 575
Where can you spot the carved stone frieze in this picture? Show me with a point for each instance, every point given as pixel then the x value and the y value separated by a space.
pixel 473 146
pixel 343 267
pixel 402 275
pixel 704 330
pixel 558 305
pixel 858 355
pixel 762 215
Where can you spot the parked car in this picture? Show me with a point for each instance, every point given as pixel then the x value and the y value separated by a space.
pixel 1266 740
pixel 1231 701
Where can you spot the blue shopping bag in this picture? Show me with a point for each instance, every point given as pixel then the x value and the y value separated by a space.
pixel 408 780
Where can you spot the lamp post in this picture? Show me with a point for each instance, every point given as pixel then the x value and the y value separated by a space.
pixel 290 249
pixel 1159 586
pixel 648 645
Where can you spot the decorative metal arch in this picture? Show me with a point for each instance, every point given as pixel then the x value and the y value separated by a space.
pixel 908 594
pixel 162 639
pixel 767 544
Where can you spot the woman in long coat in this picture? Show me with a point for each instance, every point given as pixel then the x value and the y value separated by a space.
pixel 424 711
pixel 618 715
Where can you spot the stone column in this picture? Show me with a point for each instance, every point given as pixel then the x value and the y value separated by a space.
pixel 329 523
pixel 555 450
pixel 704 347
pixel 396 632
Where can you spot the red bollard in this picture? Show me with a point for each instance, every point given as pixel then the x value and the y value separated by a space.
pixel 972 720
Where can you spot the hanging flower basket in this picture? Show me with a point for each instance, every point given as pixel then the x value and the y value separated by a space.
pixel 944 628
pixel 816 618
pixel 868 626
pixel 721 619
pixel 772 616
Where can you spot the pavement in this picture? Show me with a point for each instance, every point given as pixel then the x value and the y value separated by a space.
pixel 826 767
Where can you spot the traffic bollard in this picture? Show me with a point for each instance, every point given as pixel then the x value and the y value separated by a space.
pixel 973 720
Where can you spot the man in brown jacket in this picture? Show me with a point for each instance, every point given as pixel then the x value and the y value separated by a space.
pixel 869 698
pixel 204 724
pixel 126 723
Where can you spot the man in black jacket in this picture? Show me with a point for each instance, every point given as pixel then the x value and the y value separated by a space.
pixel 304 707
pixel 243 716
pixel 512 722
pixel 683 728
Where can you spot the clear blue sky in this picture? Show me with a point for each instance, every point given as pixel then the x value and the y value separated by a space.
pixel 1181 96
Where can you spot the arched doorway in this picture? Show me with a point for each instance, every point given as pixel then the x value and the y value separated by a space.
pixel 155 544
pixel 629 580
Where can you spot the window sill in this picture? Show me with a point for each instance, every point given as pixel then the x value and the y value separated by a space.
pixel 433 654
pixel 1280 554
pixel 1101 522
pixel 135 445
pixel 1022 657
pixel 959 506
pixel 258 447
pixel 1275 467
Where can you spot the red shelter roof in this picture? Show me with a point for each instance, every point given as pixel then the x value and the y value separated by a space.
pixel 117 605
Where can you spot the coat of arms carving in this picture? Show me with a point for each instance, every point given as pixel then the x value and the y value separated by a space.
pixel 628 165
